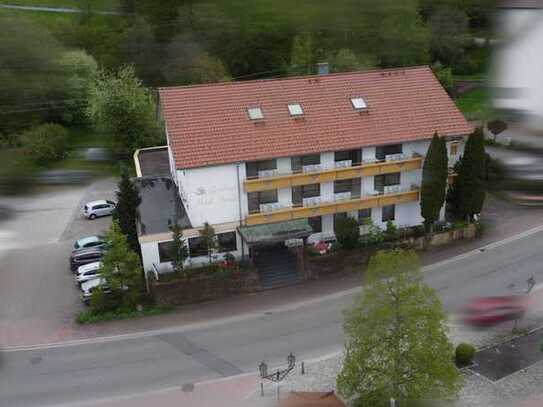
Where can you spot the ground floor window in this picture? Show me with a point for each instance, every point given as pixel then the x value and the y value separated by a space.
pixel 227 242
pixel 197 247
pixel 389 213
pixel 338 216
pixel 165 252
pixel 364 215
pixel 316 223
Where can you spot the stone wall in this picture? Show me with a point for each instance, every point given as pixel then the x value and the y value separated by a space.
pixel 183 291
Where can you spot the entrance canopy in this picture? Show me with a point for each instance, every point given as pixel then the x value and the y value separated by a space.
pixel 275 232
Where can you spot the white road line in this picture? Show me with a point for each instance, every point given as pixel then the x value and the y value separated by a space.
pixel 258 314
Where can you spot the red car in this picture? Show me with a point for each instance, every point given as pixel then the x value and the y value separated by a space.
pixel 488 311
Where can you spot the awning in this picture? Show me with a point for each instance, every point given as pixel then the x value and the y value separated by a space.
pixel 275 232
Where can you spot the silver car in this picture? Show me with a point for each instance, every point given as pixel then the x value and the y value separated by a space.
pixel 95 209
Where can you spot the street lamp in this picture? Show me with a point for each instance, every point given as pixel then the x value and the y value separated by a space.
pixel 263 368
pixel 278 375
pixel 291 360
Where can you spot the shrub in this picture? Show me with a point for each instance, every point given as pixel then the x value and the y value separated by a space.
pixel 347 232
pixel 391 231
pixel 45 143
pixel 464 354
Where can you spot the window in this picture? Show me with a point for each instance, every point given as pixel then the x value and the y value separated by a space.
pixel 359 103
pixel 164 251
pixel 389 213
pixel 382 151
pixel 338 216
pixel 348 185
pixel 354 155
pixel 263 197
pixel 301 161
pixel 453 149
pixel 254 167
pixel 364 215
pixel 295 109
pixel 305 191
pixel 227 242
pixel 386 180
pixel 197 247
pixel 255 113
pixel 316 223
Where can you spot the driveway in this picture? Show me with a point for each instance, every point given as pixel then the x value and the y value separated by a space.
pixel 38 298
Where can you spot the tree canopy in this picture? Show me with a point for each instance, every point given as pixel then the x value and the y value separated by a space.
pixel 397 345
pixel 434 180
pixel 126 210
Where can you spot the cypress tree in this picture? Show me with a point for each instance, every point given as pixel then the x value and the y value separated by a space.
pixel 469 187
pixel 434 181
pixel 126 212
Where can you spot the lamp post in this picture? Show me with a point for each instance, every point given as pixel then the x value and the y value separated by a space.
pixel 278 375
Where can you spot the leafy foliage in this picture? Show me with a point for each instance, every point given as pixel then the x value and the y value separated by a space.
pixel 397 343
pixel 119 106
pixel 44 143
pixel 179 251
pixel 126 210
pixel 448 35
pixel 496 127
pixel 434 180
pixel 210 240
pixel 464 354
pixel 347 232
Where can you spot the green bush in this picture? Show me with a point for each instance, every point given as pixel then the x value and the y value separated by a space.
pixel 91 316
pixel 391 231
pixel 45 143
pixel 464 354
pixel 347 232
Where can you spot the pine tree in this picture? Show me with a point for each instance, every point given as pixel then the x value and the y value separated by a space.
pixel 179 251
pixel 469 193
pixel 126 211
pixel 397 345
pixel 434 181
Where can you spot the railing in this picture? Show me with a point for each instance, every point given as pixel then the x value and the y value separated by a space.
pixel 276 179
pixel 324 207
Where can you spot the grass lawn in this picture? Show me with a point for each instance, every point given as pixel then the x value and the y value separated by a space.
pixel 96 5
pixel 475 104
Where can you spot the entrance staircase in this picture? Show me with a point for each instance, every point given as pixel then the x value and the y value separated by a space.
pixel 277 267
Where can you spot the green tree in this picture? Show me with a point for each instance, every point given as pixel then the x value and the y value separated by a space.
pixel 210 240
pixel 301 56
pixel 496 127
pixel 397 345
pixel 444 76
pixel 434 181
pixel 44 143
pixel 347 232
pixel 448 35
pixel 207 69
pixel 178 248
pixel 120 107
pixel 468 193
pixel 122 274
pixel 347 61
pixel 126 210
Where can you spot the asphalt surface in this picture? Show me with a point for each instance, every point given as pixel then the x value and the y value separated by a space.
pixel 173 357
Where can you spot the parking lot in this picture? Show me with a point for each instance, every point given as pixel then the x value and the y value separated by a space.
pixel 38 297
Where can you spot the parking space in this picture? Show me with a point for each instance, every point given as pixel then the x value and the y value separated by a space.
pixel 38 297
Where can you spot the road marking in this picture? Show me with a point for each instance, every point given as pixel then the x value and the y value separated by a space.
pixel 260 313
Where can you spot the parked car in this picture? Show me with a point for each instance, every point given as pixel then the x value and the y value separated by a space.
pixel 95 209
pixel 81 257
pixel 89 241
pixel 88 287
pixel 488 311
pixel 87 272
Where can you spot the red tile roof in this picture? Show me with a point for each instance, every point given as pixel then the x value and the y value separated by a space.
pixel 209 124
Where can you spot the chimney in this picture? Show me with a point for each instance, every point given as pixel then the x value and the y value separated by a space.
pixel 323 68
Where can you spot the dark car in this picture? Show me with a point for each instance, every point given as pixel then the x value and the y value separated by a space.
pixel 84 256
pixel 488 311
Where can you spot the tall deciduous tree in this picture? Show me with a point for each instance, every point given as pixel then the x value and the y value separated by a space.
pixel 434 181
pixel 397 345
pixel 301 57
pixel 126 211
pixel 178 249
pixel 468 189
pixel 122 108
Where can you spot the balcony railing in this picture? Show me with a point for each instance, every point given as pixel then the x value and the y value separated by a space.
pixel 275 179
pixel 336 205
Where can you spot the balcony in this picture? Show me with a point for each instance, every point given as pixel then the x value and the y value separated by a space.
pixel 276 180
pixel 340 203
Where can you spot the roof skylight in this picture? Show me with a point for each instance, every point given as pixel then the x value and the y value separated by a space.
pixel 359 103
pixel 295 109
pixel 255 113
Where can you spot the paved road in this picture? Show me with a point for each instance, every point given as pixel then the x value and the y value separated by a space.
pixel 154 360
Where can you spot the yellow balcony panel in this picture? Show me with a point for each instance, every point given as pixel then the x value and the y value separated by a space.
pixel 330 175
pixel 327 208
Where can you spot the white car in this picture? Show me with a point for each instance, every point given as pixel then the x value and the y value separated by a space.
pixel 88 287
pixel 95 209
pixel 87 272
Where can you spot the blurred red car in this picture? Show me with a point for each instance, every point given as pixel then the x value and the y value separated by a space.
pixel 489 311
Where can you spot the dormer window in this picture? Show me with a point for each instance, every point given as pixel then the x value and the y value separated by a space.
pixel 255 113
pixel 359 103
pixel 295 109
